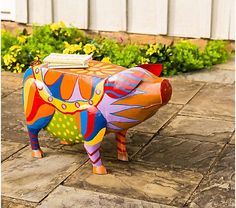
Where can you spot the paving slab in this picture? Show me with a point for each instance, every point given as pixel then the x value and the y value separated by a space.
pixel 183 90
pixel 217 188
pixel 135 141
pixel 9 148
pixel 213 100
pixel 153 124
pixel 20 135
pixel 179 153
pixel 201 129
pixel 12 111
pixel 229 65
pixel 70 197
pixel 10 82
pixel 232 139
pixel 212 75
pixel 13 203
pixel 139 181
pixel 30 179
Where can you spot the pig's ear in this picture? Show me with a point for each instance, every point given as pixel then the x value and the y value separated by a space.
pixel 123 83
pixel 155 69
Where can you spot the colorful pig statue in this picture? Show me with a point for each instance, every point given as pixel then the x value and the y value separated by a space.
pixel 82 105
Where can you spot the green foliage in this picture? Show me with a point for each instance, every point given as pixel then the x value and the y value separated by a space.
pixel 7 41
pixel 158 53
pixel 19 51
pixel 215 53
pixel 186 57
pixel 129 56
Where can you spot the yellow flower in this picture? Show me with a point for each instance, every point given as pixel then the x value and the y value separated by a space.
pixel 106 60
pixel 144 60
pixel 22 38
pixel 15 48
pixel 152 49
pixel 62 24
pixel 8 59
pixel 17 68
pixel 73 48
pixel 54 26
pixel 66 44
pixel 57 26
pixel 89 48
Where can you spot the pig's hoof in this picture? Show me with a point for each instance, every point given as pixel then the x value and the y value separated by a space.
pixel 123 156
pixel 101 170
pixel 37 153
pixel 66 143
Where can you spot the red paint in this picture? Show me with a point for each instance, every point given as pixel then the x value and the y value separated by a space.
pixel 90 122
pixel 94 162
pixel 155 69
pixel 91 154
pixel 121 142
pixel 32 135
pixel 166 91
pixel 38 101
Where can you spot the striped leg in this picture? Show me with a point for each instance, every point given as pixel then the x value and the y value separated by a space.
pixel 94 156
pixel 121 147
pixel 33 136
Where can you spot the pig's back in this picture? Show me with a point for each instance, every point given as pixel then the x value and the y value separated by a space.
pixel 75 84
pixel 96 68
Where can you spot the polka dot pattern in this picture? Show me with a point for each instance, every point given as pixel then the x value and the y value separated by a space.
pixel 64 127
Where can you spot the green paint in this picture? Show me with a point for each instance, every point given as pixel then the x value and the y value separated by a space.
pixel 63 126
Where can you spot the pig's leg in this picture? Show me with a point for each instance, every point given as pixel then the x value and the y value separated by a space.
pixel 92 126
pixel 33 136
pixel 37 112
pixel 121 146
pixel 95 158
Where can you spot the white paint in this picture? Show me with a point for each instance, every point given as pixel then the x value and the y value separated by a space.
pixel 185 18
pixel 190 18
pixel 223 19
pixel 232 22
pixel 8 10
pixel 74 12
pixel 21 13
pixel 40 12
pixel 107 15
pixel 147 17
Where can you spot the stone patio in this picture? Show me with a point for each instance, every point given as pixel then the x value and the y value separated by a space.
pixel 181 157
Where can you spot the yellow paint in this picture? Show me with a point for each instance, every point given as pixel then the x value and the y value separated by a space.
pixel 98 138
pixel 27 86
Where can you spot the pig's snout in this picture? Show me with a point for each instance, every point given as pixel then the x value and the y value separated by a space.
pixel 166 91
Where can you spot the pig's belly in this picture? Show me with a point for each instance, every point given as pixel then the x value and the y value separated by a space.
pixel 63 126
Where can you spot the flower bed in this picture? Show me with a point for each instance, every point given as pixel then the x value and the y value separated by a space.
pixel 20 50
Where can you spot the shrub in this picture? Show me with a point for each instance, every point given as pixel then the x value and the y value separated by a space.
pixel 19 51
pixel 186 57
pixel 158 53
pixel 215 53
pixel 129 56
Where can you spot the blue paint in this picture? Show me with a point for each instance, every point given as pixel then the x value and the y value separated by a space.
pixel 117 86
pixel 99 123
pixel 55 88
pixel 132 77
pixel 40 123
pixel 29 72
pixel 83 121
pixel 96 80
pixel 114 93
